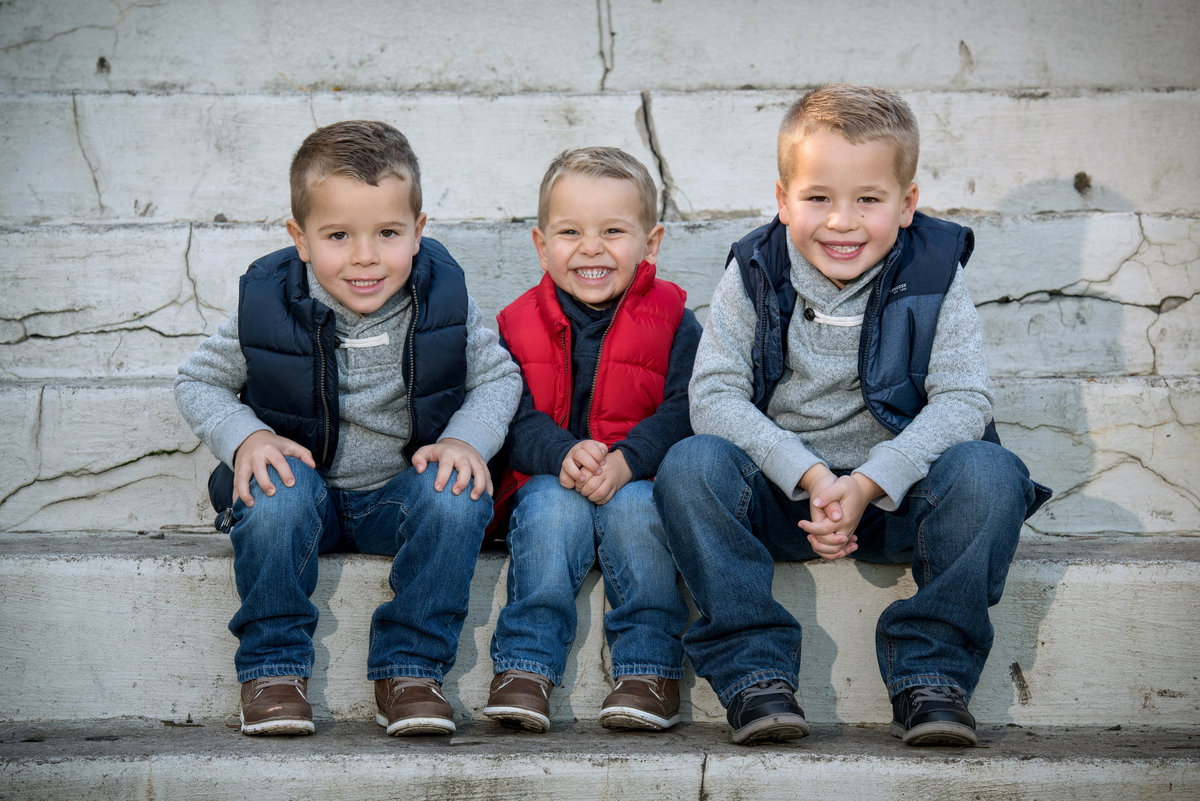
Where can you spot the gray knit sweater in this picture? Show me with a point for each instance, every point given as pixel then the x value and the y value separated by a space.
pixel 375 425
pixel 817 412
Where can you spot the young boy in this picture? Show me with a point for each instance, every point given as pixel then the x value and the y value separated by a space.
pixel 606 350
pixel 842 364
pixel 354 362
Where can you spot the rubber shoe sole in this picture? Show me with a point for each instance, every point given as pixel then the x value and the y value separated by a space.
pixel 296 726
pixel 417 726
pixel 631 718
pixel 936 733
pixel 771 729
pixel 516 717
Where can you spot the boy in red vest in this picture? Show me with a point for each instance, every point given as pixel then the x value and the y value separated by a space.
pixel 606 350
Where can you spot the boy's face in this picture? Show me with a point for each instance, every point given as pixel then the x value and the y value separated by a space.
pixel 360 239
pixel 594 238
pixel 843 204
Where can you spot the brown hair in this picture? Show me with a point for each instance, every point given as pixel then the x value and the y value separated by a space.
pixel 602 162
pixel 364 150
pixel 860 114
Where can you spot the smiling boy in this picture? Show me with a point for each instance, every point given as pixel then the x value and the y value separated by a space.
pixel 606 350
pixel 354 361
pixel 841 387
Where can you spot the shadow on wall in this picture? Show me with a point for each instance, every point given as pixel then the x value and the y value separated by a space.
pixel 1048 321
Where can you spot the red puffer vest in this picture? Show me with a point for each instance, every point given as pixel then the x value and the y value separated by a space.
pixel 634 357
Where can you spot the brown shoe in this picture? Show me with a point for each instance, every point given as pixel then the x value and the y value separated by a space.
pixel 276 705
pixel 641 702
pixel 520 700
pixel 409 705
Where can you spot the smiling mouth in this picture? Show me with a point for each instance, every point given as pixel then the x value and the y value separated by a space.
pixel 844 249
pixel 366 283
pixel 593 273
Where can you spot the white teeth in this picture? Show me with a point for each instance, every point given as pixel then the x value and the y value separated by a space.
pixel 843 248
pixel 364 283
pixel 599 272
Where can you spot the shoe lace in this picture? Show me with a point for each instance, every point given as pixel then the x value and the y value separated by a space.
pixel 936 693
pixel 653 682
pixel 399 684
pixel 264 682
pixel 770 687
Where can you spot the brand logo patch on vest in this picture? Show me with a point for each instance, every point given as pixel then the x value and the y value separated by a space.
pixel 896 290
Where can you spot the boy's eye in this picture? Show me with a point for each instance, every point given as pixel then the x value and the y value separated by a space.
pixel 868 200
pixel 568 232
pixel 614 231
pixel 338 236
pixel 388 233
pixel 817 198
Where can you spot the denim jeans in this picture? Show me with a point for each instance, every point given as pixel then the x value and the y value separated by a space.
pixel 433 537
pixel 554 537
pixel 727 524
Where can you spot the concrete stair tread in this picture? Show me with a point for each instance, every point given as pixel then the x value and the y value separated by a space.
pixel 211 759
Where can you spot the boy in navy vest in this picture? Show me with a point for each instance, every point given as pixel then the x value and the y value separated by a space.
pixel 841 404
pixel 353 400
pixel 606 350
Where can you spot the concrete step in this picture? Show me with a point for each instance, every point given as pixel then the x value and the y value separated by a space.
pixel 210 760
pixel 134 626
pixel 1114 293
pixel 117 157
pixel 532 46
pixel 1119 453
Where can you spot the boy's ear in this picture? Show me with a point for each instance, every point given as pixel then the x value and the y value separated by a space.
pixel 297 234
pixel 781 201
pixel 539 243
pixel 650 253
pixel 419 229
pixel 909 205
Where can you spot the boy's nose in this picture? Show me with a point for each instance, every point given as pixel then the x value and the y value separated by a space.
pixel 364 252
pixel 841 219
pixel 592 244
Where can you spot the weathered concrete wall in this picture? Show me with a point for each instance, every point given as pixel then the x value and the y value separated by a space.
pixel 1064 132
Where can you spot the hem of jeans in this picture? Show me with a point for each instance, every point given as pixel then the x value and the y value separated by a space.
pixel 726 696
pixel 501 665
pixel 411 671
pixel 647 669
pixel 898 686
pixel 265 671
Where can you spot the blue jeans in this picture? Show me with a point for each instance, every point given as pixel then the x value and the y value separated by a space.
pixel 554 537
pixel 727 524
pixel 433 536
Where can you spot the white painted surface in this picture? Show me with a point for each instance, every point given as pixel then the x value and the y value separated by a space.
pixel 165 652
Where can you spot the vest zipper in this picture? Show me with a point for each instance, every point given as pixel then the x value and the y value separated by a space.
pixel 412 368
pixel 600 353
pixel 321 390
pixel 562 421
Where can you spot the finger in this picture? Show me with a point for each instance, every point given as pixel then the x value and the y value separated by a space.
pixel 834 510
pixel 298 451
pixel 280 463
pixel 444 468
pixel 466 472
pixel 241 486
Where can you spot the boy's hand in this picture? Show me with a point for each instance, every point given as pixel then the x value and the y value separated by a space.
pixel 836 507
pixel 584 460
pixel 261 450
pixel 615 474
pixel 454 454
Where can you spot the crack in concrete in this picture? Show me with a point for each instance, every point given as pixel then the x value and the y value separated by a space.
pixel 645 122
pixel 83 151
pixel 607 39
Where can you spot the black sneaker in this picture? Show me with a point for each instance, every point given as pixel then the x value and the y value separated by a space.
pixel 766 712
pixel 933 716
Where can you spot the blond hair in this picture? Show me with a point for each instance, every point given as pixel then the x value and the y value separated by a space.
pixel 860 114
pixel 602 162
pixel 364 150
